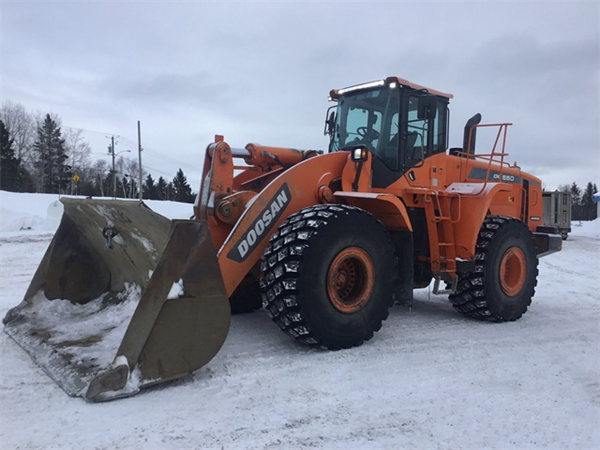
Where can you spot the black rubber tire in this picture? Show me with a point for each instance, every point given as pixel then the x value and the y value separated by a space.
pixel 246 297
pixel 296 268
pixel 481 294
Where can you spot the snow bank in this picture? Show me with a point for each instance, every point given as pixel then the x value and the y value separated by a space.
pixel 586 228
pixel 41 213
pixel 430 378
pixel 28 212
pixel 172 210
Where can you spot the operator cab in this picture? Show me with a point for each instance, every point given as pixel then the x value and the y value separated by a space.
pixel 399 122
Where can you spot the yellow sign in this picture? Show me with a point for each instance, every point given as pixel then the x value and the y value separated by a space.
pixel 75 178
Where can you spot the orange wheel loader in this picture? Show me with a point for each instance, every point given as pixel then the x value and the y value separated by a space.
pixel 327 242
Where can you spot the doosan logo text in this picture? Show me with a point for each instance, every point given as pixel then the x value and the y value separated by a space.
pixel 265 220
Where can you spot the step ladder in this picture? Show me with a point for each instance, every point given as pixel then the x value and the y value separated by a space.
pixel 440 228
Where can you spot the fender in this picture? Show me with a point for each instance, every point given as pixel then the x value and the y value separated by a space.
pixel 388 208
pixel 474 203
pixel 391 211
pixel 294 189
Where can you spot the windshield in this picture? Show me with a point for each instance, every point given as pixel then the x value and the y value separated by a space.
pixel 369 118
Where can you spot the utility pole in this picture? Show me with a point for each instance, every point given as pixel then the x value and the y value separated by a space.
pixel 114 174
pixel 140 158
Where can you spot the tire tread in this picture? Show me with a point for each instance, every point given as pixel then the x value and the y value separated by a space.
pixel 281 264
pixel 469 298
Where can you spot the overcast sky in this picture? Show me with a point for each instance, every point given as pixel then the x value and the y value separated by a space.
pixel 261 72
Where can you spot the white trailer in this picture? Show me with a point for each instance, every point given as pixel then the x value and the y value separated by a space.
pixel 557 213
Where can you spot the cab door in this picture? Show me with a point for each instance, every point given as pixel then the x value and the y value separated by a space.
pixel 387 160
pixel 415 142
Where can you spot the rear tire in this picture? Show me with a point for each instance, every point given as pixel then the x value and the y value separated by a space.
pixel 330 276
pixel 503 283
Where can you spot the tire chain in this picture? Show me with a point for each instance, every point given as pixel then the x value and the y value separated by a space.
pixel 469 298
pixel 280 265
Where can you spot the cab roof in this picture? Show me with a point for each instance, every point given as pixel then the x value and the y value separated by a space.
pixel 335 93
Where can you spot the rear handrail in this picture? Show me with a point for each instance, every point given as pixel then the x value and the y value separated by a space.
pixel 495 156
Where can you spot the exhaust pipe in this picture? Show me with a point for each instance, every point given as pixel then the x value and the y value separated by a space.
pixel 469 144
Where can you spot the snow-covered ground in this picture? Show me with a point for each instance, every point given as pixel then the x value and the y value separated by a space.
pixel 429 379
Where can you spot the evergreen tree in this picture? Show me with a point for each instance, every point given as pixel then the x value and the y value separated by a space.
pixel 170 191
pixel 50 158
pixel 25 180
pixel 88 188
pixel 107 185
pixel 150 188
pixel 576 212
pixel 182 189
pixel 575 194
pixel 9 164
pixel 161 189
pixel 588 205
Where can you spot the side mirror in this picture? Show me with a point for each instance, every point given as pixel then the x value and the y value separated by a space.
pixel 359 153
pixel 427 108
pixel 330 121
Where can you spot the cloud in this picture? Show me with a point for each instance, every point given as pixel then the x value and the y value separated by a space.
pixel 262 71
pixel 166 89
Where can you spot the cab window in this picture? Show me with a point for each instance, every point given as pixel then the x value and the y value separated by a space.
pixel 371 119
pixel 417 131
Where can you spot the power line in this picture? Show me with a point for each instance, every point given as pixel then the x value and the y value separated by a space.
pixel 159 154
pixel 134 143
pixel 170 158
pixel 88 131
pixel 167 175
pixel 150 150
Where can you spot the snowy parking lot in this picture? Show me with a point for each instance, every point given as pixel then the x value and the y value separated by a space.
pixel 429 379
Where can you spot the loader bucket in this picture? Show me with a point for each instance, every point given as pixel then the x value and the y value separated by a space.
pixel 123 298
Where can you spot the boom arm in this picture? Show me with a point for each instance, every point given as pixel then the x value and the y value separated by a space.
pixel 241 221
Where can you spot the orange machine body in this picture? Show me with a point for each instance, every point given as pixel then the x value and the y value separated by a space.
pixel 442 200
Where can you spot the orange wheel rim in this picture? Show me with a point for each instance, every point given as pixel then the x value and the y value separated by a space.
pixel 513 271
pixel 350 280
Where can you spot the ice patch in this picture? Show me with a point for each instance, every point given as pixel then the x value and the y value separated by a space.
pixel 106 213
pixel 150 249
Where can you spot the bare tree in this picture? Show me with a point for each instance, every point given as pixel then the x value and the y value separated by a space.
pixel 98 173
pixel 127 172
pixel 23 129
pixel 122 173
pixel 78 151
pixel 132 167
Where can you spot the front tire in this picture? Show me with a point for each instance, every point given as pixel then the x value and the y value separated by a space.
pixel 330 276
pixel 503 283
